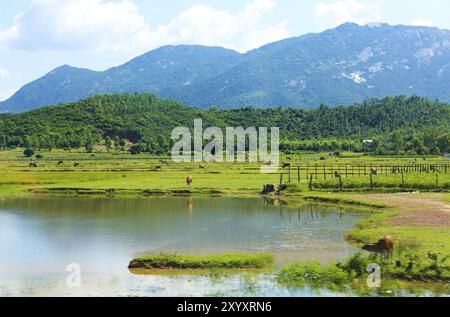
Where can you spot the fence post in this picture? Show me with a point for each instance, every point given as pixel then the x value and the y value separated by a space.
pixel 310 183
pixel 298 174
pixel 371 181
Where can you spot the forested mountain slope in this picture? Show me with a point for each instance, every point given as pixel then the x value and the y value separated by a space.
pixel 412 122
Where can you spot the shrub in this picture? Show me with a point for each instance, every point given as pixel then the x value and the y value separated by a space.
pixel 28 152
pixel 136 149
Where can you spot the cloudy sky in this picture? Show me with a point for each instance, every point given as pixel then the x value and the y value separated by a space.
pixel 37 36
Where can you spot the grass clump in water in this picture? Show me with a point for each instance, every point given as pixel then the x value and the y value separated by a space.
pixel 218 261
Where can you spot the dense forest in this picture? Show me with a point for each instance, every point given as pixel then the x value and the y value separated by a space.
pixel 396 125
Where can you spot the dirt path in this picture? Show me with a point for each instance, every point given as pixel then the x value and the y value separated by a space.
pixel 417 209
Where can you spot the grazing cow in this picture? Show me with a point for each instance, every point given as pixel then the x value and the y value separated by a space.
pixel 382 246
pixel 337 174
pixel 202 166
pixel 33 164
pixel 76 164
pixel 373 171
pixel 189 181
pixel 60 163
pixel 286 165
pixel 158 168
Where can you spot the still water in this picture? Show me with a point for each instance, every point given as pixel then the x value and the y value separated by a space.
pixel 40 237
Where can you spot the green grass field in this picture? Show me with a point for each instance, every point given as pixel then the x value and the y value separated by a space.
pixel 122 173
pixel 389 182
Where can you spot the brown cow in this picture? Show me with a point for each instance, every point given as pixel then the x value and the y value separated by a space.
pixel 189 181
pixel 76 164
pixel 60 163
pixel 384 245
pixel 33 164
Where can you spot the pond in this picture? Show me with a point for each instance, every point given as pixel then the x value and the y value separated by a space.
pixel 41 237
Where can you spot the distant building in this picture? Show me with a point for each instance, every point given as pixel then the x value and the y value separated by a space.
pixel 368 141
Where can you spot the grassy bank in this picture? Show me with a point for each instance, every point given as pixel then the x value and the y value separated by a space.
pixel 219 261
pixel 416 221
pixel 409 266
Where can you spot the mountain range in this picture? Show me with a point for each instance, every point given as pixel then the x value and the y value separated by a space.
pixel 344 65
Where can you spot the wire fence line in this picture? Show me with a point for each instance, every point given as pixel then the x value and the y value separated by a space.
pixel 304 172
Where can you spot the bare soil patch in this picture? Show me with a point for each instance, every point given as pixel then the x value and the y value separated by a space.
pixel 417 210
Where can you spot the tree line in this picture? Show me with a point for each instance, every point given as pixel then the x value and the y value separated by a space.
pixel 143 123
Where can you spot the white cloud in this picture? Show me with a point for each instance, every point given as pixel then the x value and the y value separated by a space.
pixel 106 24
pixel 422 22
pixel 332 14
pixel 205 25
pixel 74 24
pixel 4 73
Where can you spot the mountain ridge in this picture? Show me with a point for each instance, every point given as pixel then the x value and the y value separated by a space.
pixel 344 65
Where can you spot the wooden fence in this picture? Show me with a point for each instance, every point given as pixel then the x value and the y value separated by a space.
pixel 304 173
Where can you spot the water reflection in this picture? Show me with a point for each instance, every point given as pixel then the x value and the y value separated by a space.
pixel 39 237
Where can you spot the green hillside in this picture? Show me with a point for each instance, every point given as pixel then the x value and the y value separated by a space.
pixel 397 124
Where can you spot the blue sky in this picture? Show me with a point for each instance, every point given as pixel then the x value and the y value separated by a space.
pixel 38 36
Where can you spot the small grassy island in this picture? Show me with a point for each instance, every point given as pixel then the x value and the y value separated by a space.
pixel 217 261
